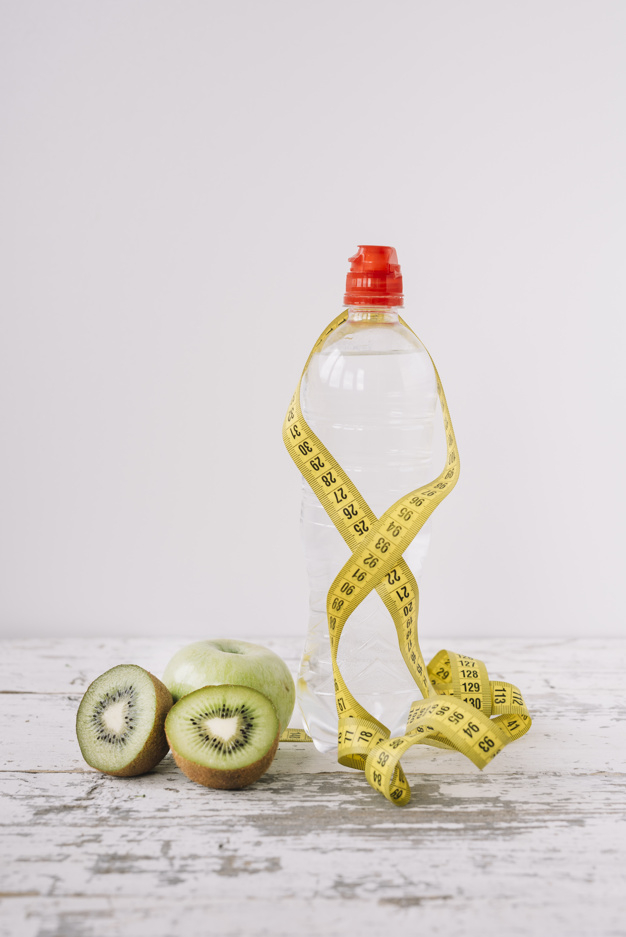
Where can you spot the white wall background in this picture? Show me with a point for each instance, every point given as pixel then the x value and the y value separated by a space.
pixel 181 186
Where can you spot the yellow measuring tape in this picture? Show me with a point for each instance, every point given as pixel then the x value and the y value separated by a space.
pixel 462 709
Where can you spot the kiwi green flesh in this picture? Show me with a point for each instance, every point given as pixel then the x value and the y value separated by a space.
pixel 120 721
pixel 223 736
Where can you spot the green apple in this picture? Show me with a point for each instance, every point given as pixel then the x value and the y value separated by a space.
pixel 212 663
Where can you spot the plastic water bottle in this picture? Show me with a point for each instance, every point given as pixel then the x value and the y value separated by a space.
pixel 370 395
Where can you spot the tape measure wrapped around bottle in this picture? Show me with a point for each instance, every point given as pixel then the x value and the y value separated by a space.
pixel 461 708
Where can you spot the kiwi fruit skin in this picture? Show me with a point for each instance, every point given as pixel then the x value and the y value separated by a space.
pixel 156 745
pixel 224 778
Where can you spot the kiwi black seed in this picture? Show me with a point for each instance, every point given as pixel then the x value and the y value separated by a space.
pixel 223 736
pixel 120 721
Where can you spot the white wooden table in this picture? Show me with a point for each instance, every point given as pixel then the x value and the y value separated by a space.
pixel 536 844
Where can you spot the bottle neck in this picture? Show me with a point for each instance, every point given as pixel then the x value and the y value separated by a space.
pixel 374 314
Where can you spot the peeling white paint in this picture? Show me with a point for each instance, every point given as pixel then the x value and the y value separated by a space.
pixel 536 844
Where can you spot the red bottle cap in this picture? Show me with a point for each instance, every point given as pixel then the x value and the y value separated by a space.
pixel 375 278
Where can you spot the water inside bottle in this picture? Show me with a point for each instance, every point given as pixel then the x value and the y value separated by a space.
pixel 370 396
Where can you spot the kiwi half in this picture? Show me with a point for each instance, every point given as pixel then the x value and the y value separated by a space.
pixel 120 721
pixel 223 736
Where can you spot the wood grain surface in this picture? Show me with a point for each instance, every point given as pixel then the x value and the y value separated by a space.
pixel 536 844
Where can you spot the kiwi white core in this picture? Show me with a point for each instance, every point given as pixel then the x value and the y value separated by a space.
pixel 226 729
pixel 116 716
